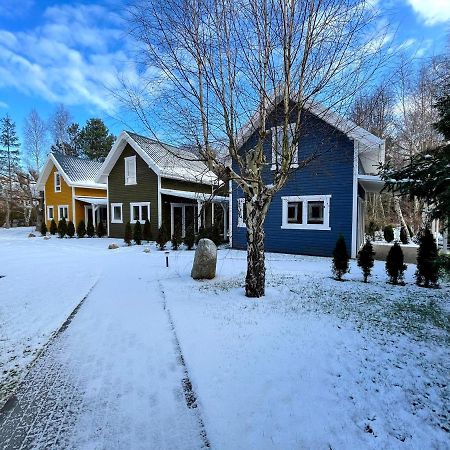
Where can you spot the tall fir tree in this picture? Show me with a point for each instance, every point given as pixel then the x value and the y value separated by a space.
pixel 340 258
pixel 366 259
pixel 395 266
pixel 9 162
pixel 427 273
pixel 96 140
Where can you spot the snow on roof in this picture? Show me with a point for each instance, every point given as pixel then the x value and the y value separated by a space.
pixel 195 196
pixel 77 169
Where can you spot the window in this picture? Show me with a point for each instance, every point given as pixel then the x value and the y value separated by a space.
pixel 116 213
pixel 277 145
pixel 50 212
pixel 139 211
pixel 63 212
pixel 242 212
pixel 308 212
pixel 57 182
pixel 130 170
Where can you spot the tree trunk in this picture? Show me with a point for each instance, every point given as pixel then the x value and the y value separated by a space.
pixel 398 210
pixel 8 214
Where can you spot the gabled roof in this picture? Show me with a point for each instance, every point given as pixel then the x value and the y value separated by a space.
pixel 165 160
pixel 76 172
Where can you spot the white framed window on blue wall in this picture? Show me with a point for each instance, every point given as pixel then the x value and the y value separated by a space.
pixel 306 212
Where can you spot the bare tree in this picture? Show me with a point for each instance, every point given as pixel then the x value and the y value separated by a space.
pixel 58 125
pixel 219 71
pixel 35 140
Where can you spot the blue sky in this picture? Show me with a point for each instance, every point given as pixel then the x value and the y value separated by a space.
pixel 72 52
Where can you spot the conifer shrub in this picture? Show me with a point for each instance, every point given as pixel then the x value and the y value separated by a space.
pixel 53 227
pixel 395 266
pixel 161 238
pixel 137 233
pixel 404 239
pixel 443 263
pixel 388 233
pixel 81 229
pixel 43 228
pixel 427 273
pixel 128 236
pixel 100 231
pixel 366 259
pixel 176 238
pixel 340 259
pixel 147 231
pixel 90 230
pixel 70 229
pixel 189 238
pixel 372 228
pixel 62 228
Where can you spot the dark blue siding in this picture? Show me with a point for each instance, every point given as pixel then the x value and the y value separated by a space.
pixel 330 174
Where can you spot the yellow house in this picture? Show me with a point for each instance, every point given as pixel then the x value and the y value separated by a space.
pixel 70 190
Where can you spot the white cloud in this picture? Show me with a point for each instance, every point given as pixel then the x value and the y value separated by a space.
pixel 431 11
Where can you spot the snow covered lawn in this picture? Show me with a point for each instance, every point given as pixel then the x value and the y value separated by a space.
pixel 315 364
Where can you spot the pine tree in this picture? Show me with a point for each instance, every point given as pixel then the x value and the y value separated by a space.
pixel 53 227
pixel 43 228
pixel 137 233
pixel 340 258
pixel 70 229
pixel 96 140
pixel 9 161
pixel 388 233
pixel 395 266
pixel 189 238
pixel 147 231
pixel 404 235
pixel 128 236
pixel 366 260
pixel 81 229
pixel 90 230
pixel 176 238
pixel 101 232
pixel 161 238
pixel 62 227
pixel 427 273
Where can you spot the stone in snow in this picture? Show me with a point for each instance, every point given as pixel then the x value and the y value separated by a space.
pixel 31 235
pixel 47 238
pixel 112 246
pixel 205 260
pixel 146 250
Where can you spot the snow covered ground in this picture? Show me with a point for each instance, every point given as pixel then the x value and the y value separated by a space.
pixel 315 364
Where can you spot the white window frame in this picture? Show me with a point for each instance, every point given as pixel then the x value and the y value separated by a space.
pixel 116 205
pixel 59 215
pixel 132 181
pixel 305 199
pixel 48 212
pixel 240 213
pixel 140 204
pixel 274 132
pixel 57 186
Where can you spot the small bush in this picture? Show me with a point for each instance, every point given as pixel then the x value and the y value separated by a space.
pixel 427 273
pixel 395 266
pixel 90 230
pixel 366 260
pixel 340 259
pixel 212 233
pixel 100 231
pixel 62 228
pixel 189 238
pixel 43 228
pixel 53 227
pixel 372 228
pixel 128 236
pixel 388 233
pixel 404 238
pixel 443 263
pixel 161 238
pixel 147 231
pixel 81 229
pixel 176 238
pixel 137 233
pixel 70 229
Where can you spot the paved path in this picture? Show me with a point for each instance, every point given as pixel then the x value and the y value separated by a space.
pixel 113 379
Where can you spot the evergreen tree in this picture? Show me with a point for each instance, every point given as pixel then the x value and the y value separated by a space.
pixel 395 266
pixel 340 258
pixel 96 140
pixel 43 228
pixel 70 229
pixel 404 235
pixel 388 233
pixel 62 227
pixel 366 260
pixel 147 231
pixel 189 238
pixel 53 227
pixel 427 273
pixel 176 238
pixel 161 238
pixel 128 236
pixel 9 161
pixel 100 231
pixel 81 229
pixel 90 230
pixel 137 233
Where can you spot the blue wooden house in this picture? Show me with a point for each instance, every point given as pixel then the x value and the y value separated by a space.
pixel 322 200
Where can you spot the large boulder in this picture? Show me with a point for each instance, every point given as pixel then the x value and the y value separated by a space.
pixel 205 260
